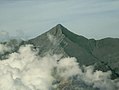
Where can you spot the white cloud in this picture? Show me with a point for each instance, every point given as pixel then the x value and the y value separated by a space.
pixel 26 70
pixel 4 49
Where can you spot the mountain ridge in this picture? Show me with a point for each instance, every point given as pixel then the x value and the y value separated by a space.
pixel 102 53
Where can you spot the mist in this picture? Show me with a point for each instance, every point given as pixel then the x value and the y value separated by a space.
pixel 6 36
pixel 26 70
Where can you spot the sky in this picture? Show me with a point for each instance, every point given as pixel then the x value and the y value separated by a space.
pixel 29 18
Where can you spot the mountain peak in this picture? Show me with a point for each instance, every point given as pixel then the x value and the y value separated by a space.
pixel 59 26
pixel 57 30
pixel 60 40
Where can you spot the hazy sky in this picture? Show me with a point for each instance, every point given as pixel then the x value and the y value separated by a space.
pixel 90 18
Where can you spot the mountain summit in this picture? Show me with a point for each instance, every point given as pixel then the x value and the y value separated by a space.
pixel 59 40
pixel 104 53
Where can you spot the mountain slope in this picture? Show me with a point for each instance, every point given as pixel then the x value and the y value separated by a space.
pixel 103 53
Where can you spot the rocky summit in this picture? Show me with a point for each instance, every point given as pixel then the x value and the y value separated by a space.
pixel 103 54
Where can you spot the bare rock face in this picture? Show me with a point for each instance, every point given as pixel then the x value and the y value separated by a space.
pixel 104 53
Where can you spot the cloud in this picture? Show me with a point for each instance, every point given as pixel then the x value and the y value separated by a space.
pixel 52 39
pixel 4 35
pixel 68 67
pixel 4 49
pixel 26 70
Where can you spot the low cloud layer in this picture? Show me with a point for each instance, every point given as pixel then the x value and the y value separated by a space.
pixel 26 70
pixel 4 49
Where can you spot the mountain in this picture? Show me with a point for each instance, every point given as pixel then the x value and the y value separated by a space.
pixel 103 54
